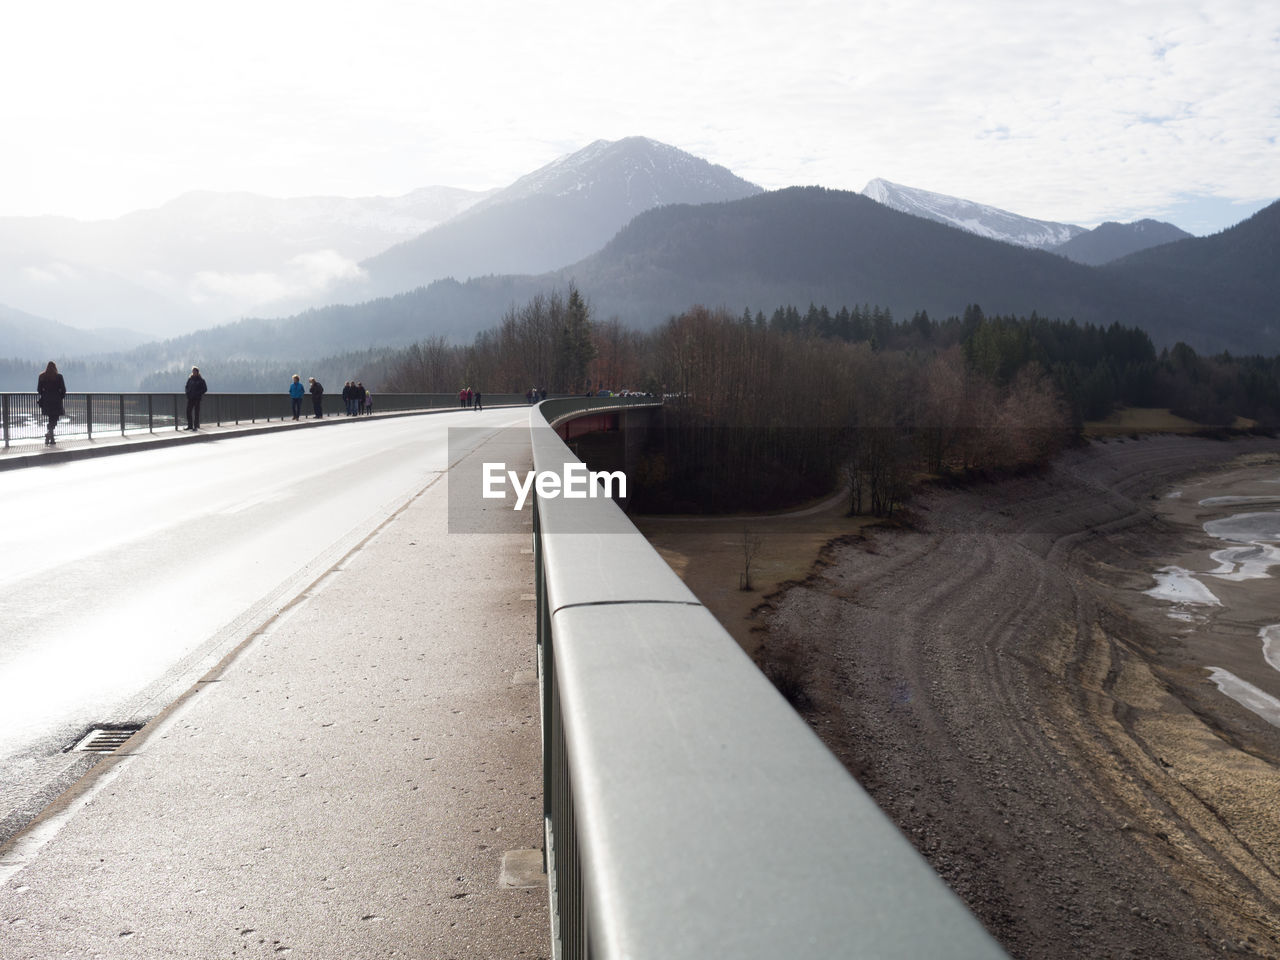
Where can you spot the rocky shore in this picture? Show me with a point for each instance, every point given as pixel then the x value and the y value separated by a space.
pixel 996 678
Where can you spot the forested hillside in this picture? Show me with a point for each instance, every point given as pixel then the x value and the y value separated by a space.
pixel 799 246
pixel 811 244
pixel 768 410
pixel 1223 291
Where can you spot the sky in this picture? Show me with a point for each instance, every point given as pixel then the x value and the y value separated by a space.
pixel 1071 110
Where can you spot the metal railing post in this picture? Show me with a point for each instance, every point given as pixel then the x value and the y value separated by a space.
pixel 88 413
pixel 151 420
pixel 122 414
pixel 4 414
pixel 545 666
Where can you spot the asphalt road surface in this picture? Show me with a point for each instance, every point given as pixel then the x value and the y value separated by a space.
pixel 123 579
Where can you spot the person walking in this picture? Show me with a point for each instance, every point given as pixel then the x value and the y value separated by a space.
pixel 475 398
pixel 359 394
pixel 368 403
pixel 51 389
pixel 317 397
pixel 295 396
pixel 196 389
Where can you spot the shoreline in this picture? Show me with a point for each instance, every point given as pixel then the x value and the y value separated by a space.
pixel 1227 605
pixel 999 683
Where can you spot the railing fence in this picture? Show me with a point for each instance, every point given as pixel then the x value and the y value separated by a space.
pixel 90 415
pixel 689 811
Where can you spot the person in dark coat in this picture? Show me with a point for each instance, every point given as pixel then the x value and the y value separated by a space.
pixel 51 388
pixel 196 389
pixel 317 398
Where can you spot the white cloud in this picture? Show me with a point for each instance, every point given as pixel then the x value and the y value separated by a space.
pixel 305 276
pixel 1077 110
pixel 49 274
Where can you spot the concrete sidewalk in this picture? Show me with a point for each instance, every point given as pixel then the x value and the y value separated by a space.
pixel 351 782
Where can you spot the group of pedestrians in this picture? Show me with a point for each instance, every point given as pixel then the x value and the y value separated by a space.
pixel 534 394
pixel 297 392
pixel 51 388
pixel 356 399
pixel 51 391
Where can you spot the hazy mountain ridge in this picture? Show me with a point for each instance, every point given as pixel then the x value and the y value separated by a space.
pixel 810 244
pixel 555 215
pixel 25 336
pixel 356 227
pixel 804 245
pixel 205 257
pixel 1226 285
pixel 1111 241
pixel 757 250
pixel 649 174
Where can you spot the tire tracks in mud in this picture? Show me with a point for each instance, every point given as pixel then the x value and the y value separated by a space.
pixel 980 683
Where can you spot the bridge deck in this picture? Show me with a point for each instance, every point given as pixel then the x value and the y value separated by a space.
pixel 350 783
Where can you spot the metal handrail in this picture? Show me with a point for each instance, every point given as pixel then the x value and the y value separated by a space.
pixel 690 812
pixel 23 424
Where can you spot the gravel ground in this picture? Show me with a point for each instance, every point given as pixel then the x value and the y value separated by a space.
pixel 1058 758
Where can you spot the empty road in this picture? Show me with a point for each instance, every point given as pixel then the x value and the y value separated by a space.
pixel 124 578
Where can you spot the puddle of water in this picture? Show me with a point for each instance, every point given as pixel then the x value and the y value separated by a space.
pixel 1179 585
pixel 1271 644
pixel 1252 562
pixel 1247 695
pixel 1246 527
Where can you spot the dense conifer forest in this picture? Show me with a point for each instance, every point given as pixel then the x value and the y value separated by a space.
pixel 763 411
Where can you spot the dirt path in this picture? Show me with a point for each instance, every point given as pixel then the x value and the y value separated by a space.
pixel 1048 748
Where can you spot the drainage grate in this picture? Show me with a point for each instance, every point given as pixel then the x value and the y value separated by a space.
pixel 106 739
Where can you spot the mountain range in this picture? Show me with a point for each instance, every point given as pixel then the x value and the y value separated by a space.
pixel 205 257
pixel 810 245
pixel 557 215
pixel 647 231
pixel 1104 243
pixel 976 218
pixel 805 245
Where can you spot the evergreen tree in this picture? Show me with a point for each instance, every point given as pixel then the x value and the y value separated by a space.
pixel 575 346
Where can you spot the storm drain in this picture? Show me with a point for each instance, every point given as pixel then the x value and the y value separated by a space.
pixel 105 739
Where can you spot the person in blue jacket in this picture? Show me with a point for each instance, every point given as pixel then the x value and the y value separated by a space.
pixel 295 395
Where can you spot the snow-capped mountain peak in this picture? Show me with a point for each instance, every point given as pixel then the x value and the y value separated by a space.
pixel 649 173
pixel 986 221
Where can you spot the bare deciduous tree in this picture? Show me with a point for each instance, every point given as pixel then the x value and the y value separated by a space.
pixel 751 544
